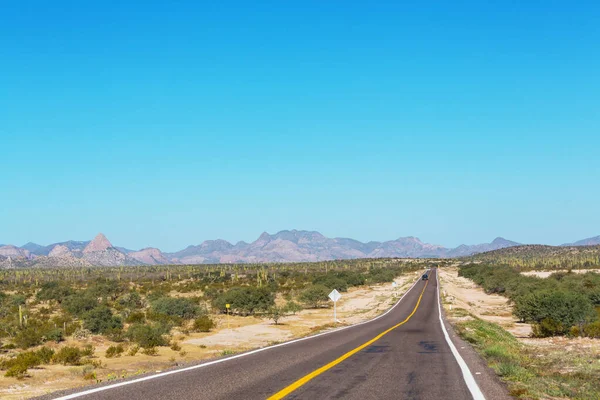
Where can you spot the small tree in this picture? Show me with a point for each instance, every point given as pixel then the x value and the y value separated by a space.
pixel 314 295
pixel 293 307
pixel 276 313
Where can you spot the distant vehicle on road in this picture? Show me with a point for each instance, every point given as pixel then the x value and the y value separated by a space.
pixel 425 277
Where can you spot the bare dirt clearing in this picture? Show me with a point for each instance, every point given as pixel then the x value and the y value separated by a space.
pixel 545 274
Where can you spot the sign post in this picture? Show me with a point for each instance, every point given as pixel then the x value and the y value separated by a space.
pixel 228 306
pixel 335 296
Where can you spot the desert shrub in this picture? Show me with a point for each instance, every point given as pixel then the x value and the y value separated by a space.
pixel 558 307
pixel 245 300
pixel 101 320
pixel 276 314
pixel 176 307
pixel 592 330
pixel 114 351
pixel 136 317
pixel 315 296
pixel 331 282
pixel 380 275
pixel 147 335
pixel 203 324
pixel 133 350
pixel 131 301
pixel 292 307
pixel 28 359
pixel 78 304
pixel 29 336
pixel 16 371
pixel 81 333
pixel 68 355
pixel 55 335
pixel 88 350
pixel 175 346
pixel 548 327
pixel 150 351
pixel 54 291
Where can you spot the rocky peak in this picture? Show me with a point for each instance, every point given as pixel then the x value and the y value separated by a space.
pixel 99 243
pixel 60 251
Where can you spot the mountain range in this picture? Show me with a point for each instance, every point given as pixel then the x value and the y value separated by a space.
pixel 284 246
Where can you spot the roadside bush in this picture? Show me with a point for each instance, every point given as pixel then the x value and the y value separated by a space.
pixel 203 324
pixel 315 296
pixel 68 355
pixel 561 310
pixel 114 351
pixel 147 336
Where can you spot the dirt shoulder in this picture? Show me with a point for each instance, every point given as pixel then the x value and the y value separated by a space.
pixel 231 335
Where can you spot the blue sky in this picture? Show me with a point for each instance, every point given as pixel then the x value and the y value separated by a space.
pixel 167 123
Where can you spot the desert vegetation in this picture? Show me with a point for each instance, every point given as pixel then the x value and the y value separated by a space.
pixel 48 315
pixel 565 303
pixel 540 257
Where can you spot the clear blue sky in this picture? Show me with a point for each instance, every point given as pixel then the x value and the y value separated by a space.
pixel 167 123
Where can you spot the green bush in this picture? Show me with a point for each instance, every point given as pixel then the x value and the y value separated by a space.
pixel 331 282
pixel 101 320
pixel 592 330
pixel 68 355
pixel 292 307
pixel 136 317
pixel 245 300
pixel 16 371
pixel 80 303
pixel 548 327
pixel 114 351
pixel 203 324
pixel 147 335
pixel 176 307
pixel 315 296
pixel 54 291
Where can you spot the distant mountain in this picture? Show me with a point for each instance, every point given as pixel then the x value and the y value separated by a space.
pixel 284 246
pixel 465 250
pixel 593 241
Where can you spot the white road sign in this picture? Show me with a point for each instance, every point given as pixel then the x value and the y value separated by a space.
pixel 335 295
pixel 394 284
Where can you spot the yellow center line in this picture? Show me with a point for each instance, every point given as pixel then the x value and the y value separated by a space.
pixel 289 389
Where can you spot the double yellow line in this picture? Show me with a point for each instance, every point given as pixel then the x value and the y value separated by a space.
pixel 289 389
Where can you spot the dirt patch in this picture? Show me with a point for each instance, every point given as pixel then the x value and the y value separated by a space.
pixel 545 274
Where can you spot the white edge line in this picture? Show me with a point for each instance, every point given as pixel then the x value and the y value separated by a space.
pixel 467 375
pixel 175 371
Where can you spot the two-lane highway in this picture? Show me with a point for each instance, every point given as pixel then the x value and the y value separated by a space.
pixel 401 355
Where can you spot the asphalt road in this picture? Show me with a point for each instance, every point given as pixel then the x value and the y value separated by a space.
pixel 409 361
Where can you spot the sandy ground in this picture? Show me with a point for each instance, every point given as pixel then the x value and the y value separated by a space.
pixel 545 274
pixel 463 293
pixel 235 334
